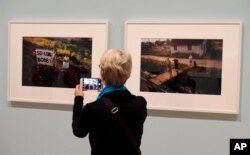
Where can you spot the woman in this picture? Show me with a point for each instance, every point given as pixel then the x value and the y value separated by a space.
pixel 106 136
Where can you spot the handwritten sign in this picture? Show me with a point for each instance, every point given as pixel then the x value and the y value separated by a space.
pixel 44 57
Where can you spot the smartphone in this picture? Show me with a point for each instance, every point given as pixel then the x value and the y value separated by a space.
pixel 91 83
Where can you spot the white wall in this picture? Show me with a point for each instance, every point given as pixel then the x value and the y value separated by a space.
pixel 35 129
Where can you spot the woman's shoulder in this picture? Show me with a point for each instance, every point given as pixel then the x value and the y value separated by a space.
pixel 94 104
pixel 139 100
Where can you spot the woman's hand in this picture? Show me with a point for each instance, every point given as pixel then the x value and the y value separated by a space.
pixel 78 91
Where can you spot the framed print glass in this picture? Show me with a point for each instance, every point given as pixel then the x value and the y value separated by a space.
pixel 47 59
pixel 186 66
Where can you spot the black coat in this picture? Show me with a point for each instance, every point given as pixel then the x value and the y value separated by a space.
pixel 105 134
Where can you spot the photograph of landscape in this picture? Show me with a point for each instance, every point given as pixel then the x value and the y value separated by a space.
pixel 55 61
pixel 191 66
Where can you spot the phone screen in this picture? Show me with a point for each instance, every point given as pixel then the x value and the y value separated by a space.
pixel 91 83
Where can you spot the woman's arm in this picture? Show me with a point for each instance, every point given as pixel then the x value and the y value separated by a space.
pixel 80 122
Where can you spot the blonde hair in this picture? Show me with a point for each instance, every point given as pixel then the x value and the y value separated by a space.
pixel 116 66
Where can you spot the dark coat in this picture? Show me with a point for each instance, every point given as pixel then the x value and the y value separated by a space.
pixel 105 134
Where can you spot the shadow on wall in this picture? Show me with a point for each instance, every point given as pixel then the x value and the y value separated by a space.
pixel 48 106
pixel 151 112
pixel 194 115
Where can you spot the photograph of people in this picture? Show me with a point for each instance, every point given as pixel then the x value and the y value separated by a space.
pixel 56 62
pixel 191 66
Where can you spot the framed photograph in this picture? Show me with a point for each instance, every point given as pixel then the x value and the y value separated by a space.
pixel 47 59
pixel 186 66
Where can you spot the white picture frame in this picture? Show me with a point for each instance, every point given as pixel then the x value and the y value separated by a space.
pixel 140 38
pixel 97 31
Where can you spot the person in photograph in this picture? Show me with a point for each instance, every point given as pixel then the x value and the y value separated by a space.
pixel 106 135
pixel 54 60
pixel 190 58
pixel 176 63
pixel 65 62
pixel 169 67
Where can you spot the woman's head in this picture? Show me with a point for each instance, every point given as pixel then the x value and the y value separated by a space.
pixel 115 67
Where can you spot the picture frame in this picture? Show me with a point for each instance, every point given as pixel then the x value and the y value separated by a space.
pixel 47 58
pixel 170 79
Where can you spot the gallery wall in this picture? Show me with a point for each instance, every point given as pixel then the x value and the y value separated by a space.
pixel 33 128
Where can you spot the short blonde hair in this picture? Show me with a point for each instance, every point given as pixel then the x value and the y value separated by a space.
pixel 116 66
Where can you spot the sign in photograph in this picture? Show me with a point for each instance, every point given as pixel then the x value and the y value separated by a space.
pixel 44 57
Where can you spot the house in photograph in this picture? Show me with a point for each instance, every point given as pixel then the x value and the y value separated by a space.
pixel 198 47
pixel 167 47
